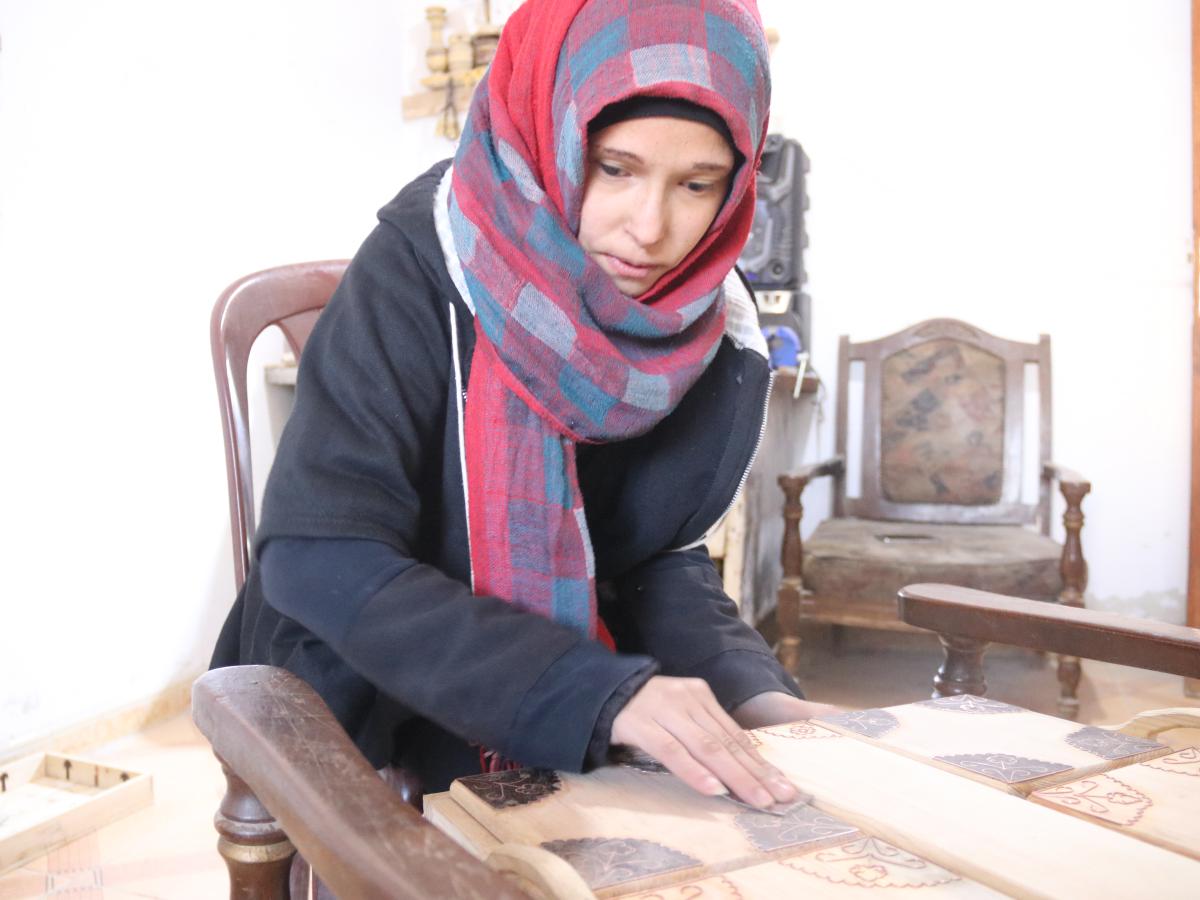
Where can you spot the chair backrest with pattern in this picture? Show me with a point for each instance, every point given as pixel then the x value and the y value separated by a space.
pixel 942 426
pixel 289 297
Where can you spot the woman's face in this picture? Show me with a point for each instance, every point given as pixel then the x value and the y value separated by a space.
pixel 653 187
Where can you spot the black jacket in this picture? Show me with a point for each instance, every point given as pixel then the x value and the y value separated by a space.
pixel 361 580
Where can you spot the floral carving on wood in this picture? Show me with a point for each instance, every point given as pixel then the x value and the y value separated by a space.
pixel 603 862
pixel 802 824
pixel 949 328
pixel 715 888
pixel 969 703
pixel 1185 762
pixel 870 862
pixel 1004 766
pixel 799 731
pixel 1110 744
pixel 1101 796
pixel 872 723
pixel 504 790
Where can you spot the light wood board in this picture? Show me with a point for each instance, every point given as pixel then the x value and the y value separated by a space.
pixel 49 800
pixel 994 743
pixel 1014 846
pixel 628 829
pixel 1157 801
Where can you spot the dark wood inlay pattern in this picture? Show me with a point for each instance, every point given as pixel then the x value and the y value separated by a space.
pixel 604 862
pixel 1110 744
pixel 802 824
pixel 504 790
pixel 871 723
pixel 1004 766
pixel 969 703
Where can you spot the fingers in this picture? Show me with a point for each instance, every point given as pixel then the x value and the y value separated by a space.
pixel 680 723
pixel 724 750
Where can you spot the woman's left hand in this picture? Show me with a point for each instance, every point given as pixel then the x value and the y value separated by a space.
pixel 776 708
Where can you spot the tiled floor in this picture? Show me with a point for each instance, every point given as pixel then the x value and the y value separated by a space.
pixel 169 850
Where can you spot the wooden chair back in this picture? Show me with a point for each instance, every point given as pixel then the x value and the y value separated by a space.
pixel 289 297
pixel 942 426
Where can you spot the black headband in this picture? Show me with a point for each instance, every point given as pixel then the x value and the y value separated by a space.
pixel 646 107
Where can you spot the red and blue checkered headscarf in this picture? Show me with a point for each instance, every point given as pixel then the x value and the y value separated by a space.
pixel 561 354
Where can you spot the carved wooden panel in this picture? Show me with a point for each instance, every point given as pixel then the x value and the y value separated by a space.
pixel 995 743
pixel 634 826
pixel 1157 800
pixel 880 820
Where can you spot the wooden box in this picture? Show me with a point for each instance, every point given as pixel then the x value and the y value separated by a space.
pixel 48 800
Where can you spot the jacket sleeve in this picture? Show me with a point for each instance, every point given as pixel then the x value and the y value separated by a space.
pixel 351 518
pixel 672 607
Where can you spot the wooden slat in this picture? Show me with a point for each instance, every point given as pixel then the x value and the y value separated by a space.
pixel 1010 844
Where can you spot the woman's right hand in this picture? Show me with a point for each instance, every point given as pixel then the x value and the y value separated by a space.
pixel 679 722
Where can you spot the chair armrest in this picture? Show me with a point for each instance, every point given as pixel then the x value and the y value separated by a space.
pixel 278 736
pixel 834 466
pixel 979 615
pixel 1063 475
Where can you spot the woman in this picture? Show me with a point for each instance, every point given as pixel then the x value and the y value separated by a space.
pixel 536 388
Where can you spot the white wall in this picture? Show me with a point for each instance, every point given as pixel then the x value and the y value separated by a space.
pixel 1021 165
pixel 1024 166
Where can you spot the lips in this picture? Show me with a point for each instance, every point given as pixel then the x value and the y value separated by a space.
pixel 627 269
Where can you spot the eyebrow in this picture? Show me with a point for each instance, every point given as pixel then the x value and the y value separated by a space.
pixel 718 168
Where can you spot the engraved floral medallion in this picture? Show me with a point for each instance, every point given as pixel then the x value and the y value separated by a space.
pixel 1109 744
pixel 1101 796
pixel 870 862
pixel 799 731
pixel 504 790
pixel 1184 762
pixel 603 862
pixel 714 888
pixel 969 703
pixel 1004 766
pixel 802 824
pixel 872 723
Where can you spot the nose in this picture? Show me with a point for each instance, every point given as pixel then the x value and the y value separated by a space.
pixel 649 218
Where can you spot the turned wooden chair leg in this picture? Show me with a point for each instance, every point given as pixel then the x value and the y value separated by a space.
pixel 962 670
pixel 1075 577
pixel 256 851
pixel 791 587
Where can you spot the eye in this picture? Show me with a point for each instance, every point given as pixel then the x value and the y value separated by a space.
pixel 610 170
pixel 699 187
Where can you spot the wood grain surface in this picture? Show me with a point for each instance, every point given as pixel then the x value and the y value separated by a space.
pixel 994 743
pixel 1157 801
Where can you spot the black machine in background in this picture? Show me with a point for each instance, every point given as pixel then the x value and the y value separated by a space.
pixel 773 258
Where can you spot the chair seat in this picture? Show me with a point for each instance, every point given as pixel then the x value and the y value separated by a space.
pixel 863 562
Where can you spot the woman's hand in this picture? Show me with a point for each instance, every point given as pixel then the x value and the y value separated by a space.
pixel 679 722
pixel 776 707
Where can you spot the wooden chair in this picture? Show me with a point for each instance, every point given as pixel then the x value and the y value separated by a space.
pixel 967 620
pixel 297 782
pixel 290 297
pixel 941 461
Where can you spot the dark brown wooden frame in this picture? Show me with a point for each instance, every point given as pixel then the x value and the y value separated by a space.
pixel 290 297
pixel 967 621
pixel 1015 355
pixel 296 782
